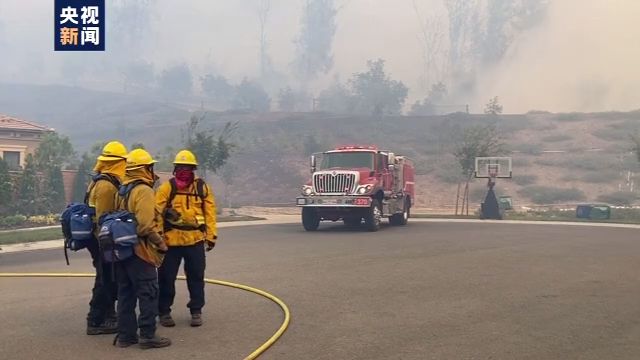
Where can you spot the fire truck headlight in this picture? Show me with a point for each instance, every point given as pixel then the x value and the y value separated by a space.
pixel 364 189
pixel 307 190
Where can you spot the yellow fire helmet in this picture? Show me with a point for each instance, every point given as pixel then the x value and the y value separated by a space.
pixel 185 157
pixel 138 158
pixel 113 151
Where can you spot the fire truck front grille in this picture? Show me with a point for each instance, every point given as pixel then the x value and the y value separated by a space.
pixel 334 183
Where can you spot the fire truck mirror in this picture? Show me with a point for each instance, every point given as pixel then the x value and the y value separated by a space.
pixel 312 163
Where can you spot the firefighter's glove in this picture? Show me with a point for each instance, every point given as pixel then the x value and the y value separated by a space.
pixel 158 242
pixel 211 244
pixel 163 248
pixel 171 215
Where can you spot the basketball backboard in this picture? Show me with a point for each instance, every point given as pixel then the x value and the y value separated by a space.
pixel 493 167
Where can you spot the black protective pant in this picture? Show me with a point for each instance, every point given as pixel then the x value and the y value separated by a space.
pixel 105 290
pixel 194 266
pixel 137 282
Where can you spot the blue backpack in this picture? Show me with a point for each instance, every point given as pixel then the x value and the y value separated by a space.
pixel 77 220
pixel 118 230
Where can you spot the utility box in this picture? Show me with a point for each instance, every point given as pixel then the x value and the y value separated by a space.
pixel 593 212
pixel 505 202
pixel 600 212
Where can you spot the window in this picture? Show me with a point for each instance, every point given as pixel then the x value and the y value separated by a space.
pixel 347 160
pixel 382 162
pixel 12 158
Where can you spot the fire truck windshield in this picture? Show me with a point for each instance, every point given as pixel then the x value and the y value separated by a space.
pixel 347 160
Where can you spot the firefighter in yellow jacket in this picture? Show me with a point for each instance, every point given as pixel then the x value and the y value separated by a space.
pixel 137 275
pixel 109 172
pixel 188 210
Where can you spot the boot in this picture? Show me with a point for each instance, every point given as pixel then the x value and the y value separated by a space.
pixel 167 321
pixel 126 343
pixel 107 327
pixel 154 342
pixel 196 320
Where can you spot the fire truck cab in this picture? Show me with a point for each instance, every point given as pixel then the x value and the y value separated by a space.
pixel 359 185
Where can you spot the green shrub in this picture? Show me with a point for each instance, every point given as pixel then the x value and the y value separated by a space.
pixel 12 221
pixel 524 179
pixel 621 198
pixel 551 195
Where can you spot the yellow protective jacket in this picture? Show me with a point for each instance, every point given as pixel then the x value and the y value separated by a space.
pixel 102 193
pixel 102 197
pixel 190 209
pixel 141 203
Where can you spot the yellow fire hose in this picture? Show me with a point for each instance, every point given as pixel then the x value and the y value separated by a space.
pixel 254 355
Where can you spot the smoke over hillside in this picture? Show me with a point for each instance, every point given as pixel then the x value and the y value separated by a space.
pixel 578 55
pixel 583 57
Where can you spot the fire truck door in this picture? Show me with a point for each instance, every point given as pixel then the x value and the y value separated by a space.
pixel 386 175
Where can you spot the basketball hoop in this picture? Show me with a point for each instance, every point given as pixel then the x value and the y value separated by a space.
pixel 493 170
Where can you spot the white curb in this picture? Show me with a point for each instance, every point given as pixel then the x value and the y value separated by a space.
pixel 292 219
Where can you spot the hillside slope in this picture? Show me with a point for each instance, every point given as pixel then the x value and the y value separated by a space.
pixel 562 158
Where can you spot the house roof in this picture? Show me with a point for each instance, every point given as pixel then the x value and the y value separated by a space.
pixel 9 122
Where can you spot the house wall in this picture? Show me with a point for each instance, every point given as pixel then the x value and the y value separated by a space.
pixel 26 144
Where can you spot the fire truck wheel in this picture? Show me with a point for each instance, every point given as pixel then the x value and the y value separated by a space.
pixel 310 219
pixel 374 216
pixel 402 218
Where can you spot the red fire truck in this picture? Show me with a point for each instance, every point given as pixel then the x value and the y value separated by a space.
pixel 358 184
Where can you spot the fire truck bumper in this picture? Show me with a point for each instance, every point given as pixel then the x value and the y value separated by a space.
pixel 334 201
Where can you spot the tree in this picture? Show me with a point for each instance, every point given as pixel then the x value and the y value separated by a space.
pixel 211 151
pixel 336 99
pixel 506 19
pixel 264 7
pixel 83 176
pixel 291 100
pixel 375 92
pixel 424 108
pixel 432 37
pixel 6 188
pixel 313 45
pixel 137 145
pixel 129 24
pixel 28 189
pixel 54 150
pixel 217 88
pixel 54 190
pixel 251 96
pixel 475 141
pixel 493 107
pixel 176 80
pixel 465 34
pixel 428 106
pixel 286 99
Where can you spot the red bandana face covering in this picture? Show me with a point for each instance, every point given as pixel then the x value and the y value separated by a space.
pixel 184 178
